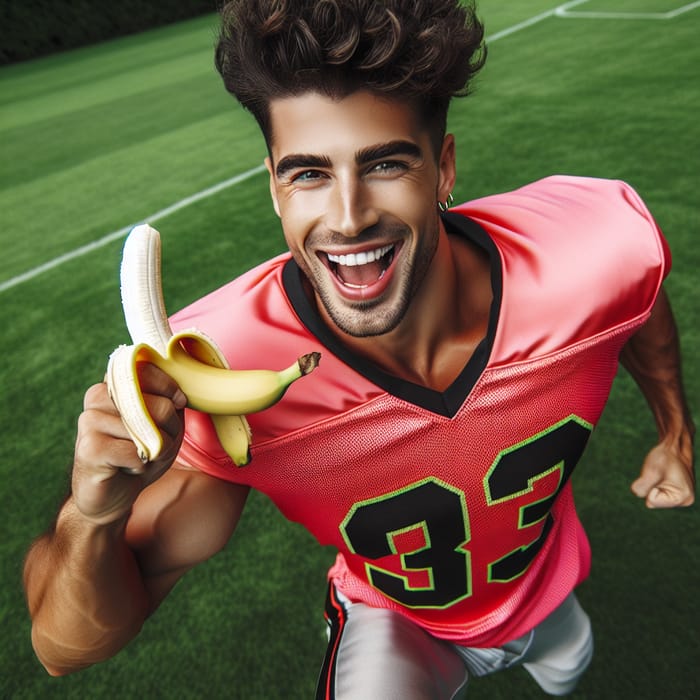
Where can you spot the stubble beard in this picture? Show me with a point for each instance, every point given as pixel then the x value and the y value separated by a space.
pixel 365 319
pixel 376 317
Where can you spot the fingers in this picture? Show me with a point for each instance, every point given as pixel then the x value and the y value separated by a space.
pixel 157 383
pixel 667 495
pixel 108 473
pixel 103 445
pixel 164 413
pixel 103 437
pixel 660 497
pixel 665 486
pixel 161 394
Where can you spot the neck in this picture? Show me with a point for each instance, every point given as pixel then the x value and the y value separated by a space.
pixel 447 319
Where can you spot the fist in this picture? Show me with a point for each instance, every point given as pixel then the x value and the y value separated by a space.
pixel 108 474
pixel 666 480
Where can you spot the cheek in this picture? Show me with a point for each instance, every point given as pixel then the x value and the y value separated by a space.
pixel 426 226
pixel 415 205
pixel 296 236
pixel 294 241
pixel 299 215
pixel 293 227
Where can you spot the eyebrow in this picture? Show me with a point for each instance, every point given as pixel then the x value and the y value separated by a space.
pixel 363 156
pixel 301 161
pixel 388 150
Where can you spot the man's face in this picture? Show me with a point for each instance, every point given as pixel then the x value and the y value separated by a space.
pixel 356 183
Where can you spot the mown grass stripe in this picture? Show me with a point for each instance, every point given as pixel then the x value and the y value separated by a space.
pixel 115 235
pixel 120 233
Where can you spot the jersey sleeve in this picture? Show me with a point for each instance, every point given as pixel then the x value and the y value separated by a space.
pixel 579 256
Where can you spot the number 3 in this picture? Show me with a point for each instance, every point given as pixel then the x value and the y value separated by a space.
pixel 438 513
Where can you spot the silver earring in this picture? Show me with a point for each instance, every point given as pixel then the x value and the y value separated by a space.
pixel 444 206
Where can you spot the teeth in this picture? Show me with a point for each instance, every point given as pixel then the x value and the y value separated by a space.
pixel 353 259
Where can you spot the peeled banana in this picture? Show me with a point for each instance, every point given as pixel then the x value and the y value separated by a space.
pixel 190 357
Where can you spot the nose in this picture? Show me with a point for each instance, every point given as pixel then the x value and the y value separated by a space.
pixel 351 208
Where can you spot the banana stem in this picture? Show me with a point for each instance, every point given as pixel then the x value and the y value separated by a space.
pixel 309 362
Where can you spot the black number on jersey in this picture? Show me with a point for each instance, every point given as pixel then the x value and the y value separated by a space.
pixel 434 516
pixel 439 514
pixel 513 474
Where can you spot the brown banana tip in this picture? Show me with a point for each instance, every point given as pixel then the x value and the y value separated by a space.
pixel 309 362
pixel 246 462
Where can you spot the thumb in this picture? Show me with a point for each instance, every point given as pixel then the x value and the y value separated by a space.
pixel 644 484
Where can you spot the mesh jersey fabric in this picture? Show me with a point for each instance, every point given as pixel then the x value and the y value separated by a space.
pixel 453 508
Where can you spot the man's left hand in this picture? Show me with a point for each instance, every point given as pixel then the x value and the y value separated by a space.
pixel 667 480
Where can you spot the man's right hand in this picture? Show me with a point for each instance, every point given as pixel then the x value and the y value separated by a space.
pixel 108 474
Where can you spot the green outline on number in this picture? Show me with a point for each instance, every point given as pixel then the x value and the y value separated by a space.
pixel 423 525
pixel 559 466
pixel 530 482
pixel 370 569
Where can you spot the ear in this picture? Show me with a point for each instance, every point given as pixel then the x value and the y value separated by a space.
pixel 273 188
pixel 447 168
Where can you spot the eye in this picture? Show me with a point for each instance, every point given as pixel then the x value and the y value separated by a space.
pixel 307 176
pixel 388 167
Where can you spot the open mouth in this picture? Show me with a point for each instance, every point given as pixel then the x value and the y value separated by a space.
pixel 363 269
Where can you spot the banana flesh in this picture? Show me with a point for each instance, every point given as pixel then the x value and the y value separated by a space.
pixel 142 289
pixel 190 357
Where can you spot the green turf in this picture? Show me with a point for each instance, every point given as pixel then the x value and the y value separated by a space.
pixel 96 139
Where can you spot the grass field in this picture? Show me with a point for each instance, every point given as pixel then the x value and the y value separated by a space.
pixel 100 138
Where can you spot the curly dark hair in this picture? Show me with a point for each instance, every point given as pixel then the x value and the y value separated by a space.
pixel 420 51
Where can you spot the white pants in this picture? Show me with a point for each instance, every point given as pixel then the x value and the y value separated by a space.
pixel 377 654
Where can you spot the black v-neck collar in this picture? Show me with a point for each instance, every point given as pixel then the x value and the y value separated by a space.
pixel 445 403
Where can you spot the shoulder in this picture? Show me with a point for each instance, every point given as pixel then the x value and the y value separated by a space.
pixel 587 224
pixel 564 206
pixel 579 256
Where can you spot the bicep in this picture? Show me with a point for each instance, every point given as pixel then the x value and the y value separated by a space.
pixel 182 519
pixel 655 341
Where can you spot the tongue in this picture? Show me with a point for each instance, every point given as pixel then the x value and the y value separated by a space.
pixel 360 275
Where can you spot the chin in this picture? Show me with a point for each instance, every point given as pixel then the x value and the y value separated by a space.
pixel 365 320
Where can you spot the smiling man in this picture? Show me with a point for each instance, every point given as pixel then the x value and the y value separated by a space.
pixel 467 356
pixel 357 211
pixel 360 218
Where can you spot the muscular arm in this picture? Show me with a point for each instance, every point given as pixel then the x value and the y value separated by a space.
pixel 652 356
pixel 90 587
pixel 123 538
pixel 84 592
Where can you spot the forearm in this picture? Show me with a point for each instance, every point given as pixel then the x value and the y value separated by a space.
pixel 84 591
pixel 652 356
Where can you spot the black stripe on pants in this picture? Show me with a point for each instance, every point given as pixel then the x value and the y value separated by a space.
pixel 336 617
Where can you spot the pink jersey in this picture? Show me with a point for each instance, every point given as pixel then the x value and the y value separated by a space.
pixel 453 508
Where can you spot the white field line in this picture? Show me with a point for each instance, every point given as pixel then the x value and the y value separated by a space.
pixel 583 14
pixel 115 235
pixel 533 20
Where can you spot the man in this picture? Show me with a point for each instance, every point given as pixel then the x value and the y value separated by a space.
pixel 467 356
